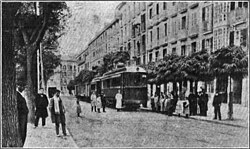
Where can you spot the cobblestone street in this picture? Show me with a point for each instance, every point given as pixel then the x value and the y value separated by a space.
pixel 147 129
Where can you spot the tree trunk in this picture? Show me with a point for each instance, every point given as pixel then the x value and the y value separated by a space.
pixel 10 128
pixel 30 87
pixel 230 102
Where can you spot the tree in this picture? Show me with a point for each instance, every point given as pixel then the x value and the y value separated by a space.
pixel 10 133
pixel 71 86
pixel 31 29
pixel 229 62
pixel 111 59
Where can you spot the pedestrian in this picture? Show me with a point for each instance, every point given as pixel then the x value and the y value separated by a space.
pixel 98 103
pixel 93 101
pixel 200 103
pixel 22 114
pixel 192 98
pixel 186 108
pixel 41 104
pixel 204 101
pixel 78 108
pixel 156 101
pixel 161 102
pixel 118 98
pixel 104 102
pixel 168 105
pixel 152 103
pixel 216 103
pixel 57 110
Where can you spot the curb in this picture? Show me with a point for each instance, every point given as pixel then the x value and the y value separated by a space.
pixel 190 117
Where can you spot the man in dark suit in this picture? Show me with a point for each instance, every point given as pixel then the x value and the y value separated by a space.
pixel 42 103
pixel 22 113
pixel 104 102
pixel 216 103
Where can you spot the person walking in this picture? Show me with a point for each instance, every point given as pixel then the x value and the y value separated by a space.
pixel 204 101
pixel 78 108
pixel 156 102
pixel 57 110
pixel 104 102
pixel 98 103
pixel 216 103
pixel 161 103
pixel 41 104
pixel 22 114
pixel 152 103
pixel 186 111
pixel 192 98
pixel 93 101
pixel 118 98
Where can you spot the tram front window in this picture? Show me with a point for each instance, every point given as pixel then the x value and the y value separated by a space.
pixel 136 79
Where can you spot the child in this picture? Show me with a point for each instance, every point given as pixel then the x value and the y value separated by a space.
pixel 78 108
pixel 98 103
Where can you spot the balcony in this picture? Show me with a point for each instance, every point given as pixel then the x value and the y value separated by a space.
pixel 182 34
pixel 173 38
pixel 239 15
pixel 182 7
pixel 194 31
pixel 207 27
pixel 192 5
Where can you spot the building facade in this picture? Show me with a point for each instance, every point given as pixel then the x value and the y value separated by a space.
pixel 151 30
pixel 63 74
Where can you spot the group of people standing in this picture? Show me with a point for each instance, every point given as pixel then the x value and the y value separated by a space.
pixel 167 103
pixel 97 102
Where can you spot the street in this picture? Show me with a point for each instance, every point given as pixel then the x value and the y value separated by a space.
pixel 146 129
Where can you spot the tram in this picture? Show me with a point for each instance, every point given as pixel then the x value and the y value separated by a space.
pixel 130 80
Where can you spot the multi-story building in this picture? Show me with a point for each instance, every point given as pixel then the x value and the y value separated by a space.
pixel 151 30
pixel 63 74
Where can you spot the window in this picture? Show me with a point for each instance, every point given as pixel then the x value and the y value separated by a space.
pixel 183 20
pixel 203 44
pixel 158 33
pixel 156 55
pixel 164 52
pixel 70 68
pixel 164 5
pixel 151 36
pixel 144 59
pixel 150 13
pixel 173 3
pixel 183 50
pixel 245 4
pixel 64 67
pixel 93 54
pixel 203 13
pixel 232 6
pixel 166 29
pixel 157 9
pixel 240 4
pixel 193 46
pixel 116 82
pixel 174 51
pixel 150 57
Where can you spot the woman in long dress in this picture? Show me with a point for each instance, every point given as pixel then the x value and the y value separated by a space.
pixel 118 98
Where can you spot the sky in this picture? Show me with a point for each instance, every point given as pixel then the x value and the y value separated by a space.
pixel 87 19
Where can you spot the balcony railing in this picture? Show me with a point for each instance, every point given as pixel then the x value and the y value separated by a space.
pixel 193 4
pixel 207 27
pixel 182 34
pixel 182 7
pixel 194 30
pixel 173 38
pixel 238 15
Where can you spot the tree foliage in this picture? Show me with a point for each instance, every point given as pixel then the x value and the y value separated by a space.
pixel 84 76
pixel 111 59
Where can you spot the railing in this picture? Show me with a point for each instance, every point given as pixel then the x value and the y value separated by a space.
pixel 182 34
pixel 182 7
pixel 194 30
pixel 238 15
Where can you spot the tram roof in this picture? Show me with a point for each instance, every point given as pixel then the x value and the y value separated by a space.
pixel 126 69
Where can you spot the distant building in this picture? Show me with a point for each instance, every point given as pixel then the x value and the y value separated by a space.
pixel 63 74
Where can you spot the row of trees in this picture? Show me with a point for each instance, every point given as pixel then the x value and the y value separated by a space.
pixel 226 62
pixel 25 26
pixel 110 60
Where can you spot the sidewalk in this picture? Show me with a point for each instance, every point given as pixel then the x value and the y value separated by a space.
pixel 240 115
pixel 46 136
